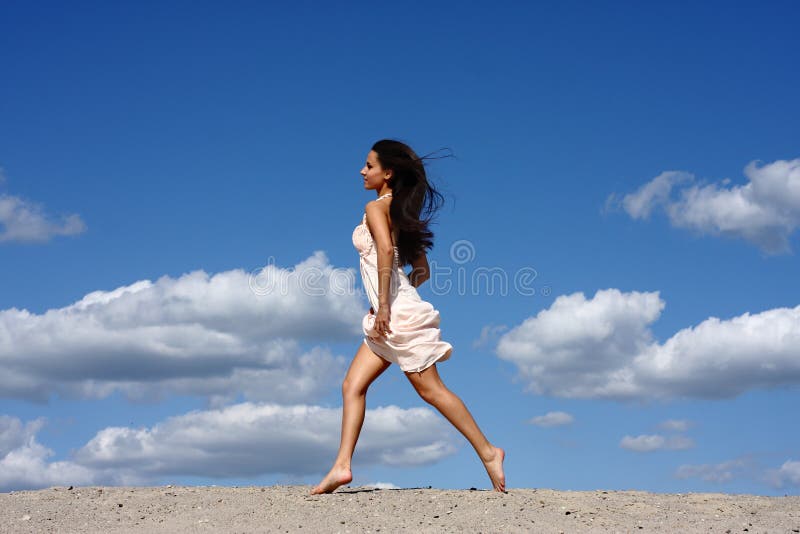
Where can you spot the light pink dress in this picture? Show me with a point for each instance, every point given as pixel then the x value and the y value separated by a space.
pixel 415 340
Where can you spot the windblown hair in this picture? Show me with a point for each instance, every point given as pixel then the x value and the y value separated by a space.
pixel 414 199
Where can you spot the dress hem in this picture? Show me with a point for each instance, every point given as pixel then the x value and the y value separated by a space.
pixel 442 357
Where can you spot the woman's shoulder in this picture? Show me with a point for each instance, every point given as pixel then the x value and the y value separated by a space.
pixel 378 209
pixel 381 205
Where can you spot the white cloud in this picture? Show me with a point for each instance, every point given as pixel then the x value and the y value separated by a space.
pixel 744 467
pixel 13 435
pixel 787 475
pixel 197 334
pixel 642 443
pixel 654 442
pixel 675 425
pixel 640 205
pixel 242 440
pixel 488 333
pixel 24 462
pixel 721 472
pixel 552 419
pixel 580 348
pixel 22 220
pixel 603 348
pixel 765 211
pixel 251 439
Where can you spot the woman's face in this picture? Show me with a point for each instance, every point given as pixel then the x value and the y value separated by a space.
pixel 374 175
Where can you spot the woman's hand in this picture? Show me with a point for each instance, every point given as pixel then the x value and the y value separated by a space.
pixel 382 320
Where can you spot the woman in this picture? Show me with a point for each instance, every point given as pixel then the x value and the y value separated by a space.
pixel 405 328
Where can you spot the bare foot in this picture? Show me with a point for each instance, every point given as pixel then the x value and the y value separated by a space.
pixel 494 466
pixel 335 478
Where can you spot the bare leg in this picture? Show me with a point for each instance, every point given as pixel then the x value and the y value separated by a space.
pixel 430 387
pixel 364 369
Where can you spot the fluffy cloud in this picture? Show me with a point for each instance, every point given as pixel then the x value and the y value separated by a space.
pixel 250 439
pixel 213 335
pixel 675 425
pixel 24 462
pixel 746 467
pixel 242 440
pixel 640 204
pixel 765 211
pixel 786 475
pixel 603 348
pixel 552 419
pixel 721 472
pixel 22 220
pixel 654 442
pixel 488 334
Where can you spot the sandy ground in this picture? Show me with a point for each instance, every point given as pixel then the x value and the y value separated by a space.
pixel 365 509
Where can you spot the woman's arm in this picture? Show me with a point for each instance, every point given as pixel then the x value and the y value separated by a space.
pixel 378 224
pixel 420 270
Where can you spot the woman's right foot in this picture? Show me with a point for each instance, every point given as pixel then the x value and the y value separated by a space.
pixel 335 478
pixel 494 466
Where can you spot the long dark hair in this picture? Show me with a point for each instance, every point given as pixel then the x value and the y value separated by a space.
pixel 414 199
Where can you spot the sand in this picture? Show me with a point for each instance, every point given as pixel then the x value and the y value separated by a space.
pixel 365 509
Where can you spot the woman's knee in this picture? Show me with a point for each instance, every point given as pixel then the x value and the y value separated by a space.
pixel 434 396
pixel 430 392
pixel 352 388
pixel 428 384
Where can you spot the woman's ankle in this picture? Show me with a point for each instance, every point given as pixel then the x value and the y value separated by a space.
pixel 488 454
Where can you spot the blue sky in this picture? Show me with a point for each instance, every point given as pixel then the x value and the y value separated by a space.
pixel 640 159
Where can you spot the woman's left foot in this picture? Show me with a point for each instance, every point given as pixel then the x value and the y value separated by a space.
pixel 335 478
pixel 494 466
